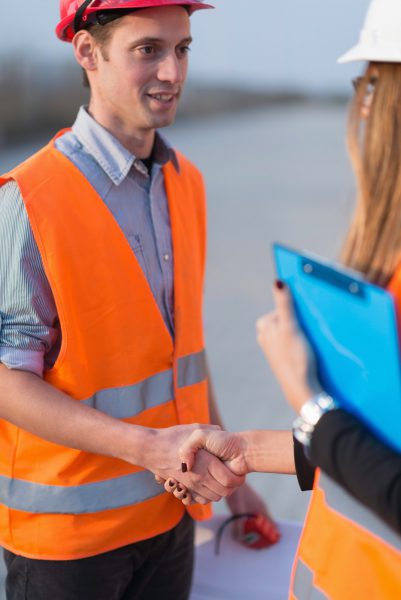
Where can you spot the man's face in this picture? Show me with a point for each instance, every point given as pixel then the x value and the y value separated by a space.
pixel 140 77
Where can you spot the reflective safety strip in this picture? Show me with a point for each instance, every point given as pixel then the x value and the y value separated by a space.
pixel 304 588
pixel 192 369
pixel 341 501
pixel 75 500
pixel 128 401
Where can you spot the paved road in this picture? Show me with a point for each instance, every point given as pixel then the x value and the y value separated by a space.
pixel 271 175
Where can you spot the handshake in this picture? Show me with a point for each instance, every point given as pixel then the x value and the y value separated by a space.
pixel 202 463
pixel 210 464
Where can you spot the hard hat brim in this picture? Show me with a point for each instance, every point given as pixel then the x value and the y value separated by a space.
pixel 370 53
pixel 64 30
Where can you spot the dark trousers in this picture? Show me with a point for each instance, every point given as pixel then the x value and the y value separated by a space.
pixel 159 568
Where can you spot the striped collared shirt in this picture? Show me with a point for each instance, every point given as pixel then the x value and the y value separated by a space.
pixel 30 334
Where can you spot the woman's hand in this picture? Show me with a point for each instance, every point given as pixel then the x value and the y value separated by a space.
pixel 172 486
pixel 287 350
pixel 230 448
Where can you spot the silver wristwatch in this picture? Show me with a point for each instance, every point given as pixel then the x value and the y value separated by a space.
pixel 309 416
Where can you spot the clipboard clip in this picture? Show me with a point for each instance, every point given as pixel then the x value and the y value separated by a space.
pixel 348 284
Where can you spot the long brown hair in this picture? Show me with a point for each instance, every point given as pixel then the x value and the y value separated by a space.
pixel 373 243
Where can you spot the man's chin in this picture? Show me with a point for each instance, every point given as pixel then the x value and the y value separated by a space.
pixel 166 120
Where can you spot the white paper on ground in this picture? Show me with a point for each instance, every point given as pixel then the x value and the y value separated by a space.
pixel 239 573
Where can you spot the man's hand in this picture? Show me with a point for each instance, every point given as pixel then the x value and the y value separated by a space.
pixel 208 480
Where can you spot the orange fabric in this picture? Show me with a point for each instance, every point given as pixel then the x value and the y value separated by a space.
pixel 113 335
pixel 68 537
pixel 349 563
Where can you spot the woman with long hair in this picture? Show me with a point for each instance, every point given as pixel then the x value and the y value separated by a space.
pixel 350 548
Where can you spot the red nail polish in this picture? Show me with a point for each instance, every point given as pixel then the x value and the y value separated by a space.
pixel 184 467
pixel 171 483
pixel 185 497
pixel 280 285
pixel 179 488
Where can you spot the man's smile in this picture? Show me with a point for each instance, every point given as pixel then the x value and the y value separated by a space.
pixel 164 98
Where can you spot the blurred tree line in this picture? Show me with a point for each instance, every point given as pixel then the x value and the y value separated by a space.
pixel 39 97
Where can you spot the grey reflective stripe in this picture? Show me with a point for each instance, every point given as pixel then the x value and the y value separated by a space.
pixel 304 588
pixel 192 369
pixel 88 498
pixel 128 401
pixel 122 402
pixel 341 501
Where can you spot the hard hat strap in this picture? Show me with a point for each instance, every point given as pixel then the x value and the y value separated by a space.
pixel 80 13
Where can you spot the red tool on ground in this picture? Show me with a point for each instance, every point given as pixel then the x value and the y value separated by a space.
pixel 258 532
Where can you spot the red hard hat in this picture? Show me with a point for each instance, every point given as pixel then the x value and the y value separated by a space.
pixel 68 9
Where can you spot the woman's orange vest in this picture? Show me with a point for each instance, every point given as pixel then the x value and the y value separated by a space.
pixel 116 355
pixel 346 552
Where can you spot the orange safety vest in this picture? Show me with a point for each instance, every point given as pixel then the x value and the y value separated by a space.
pixel 346 551
pixel 116 356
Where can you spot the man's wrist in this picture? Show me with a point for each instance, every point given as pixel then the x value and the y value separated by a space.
pixel 136 444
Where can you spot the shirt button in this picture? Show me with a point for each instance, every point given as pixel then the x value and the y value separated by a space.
pixel 166 257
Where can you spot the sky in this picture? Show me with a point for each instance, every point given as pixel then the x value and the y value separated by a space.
pixel 255 43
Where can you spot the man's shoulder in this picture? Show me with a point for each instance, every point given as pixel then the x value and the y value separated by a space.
pixel 40 167
pixel 47 152
pixel 29 161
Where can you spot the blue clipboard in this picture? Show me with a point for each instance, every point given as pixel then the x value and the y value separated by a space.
pixel 352 326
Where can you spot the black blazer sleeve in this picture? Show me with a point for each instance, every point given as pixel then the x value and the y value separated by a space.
pixel 303 467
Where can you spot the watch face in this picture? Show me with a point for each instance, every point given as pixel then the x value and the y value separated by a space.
pixel 311 412
pixel 309 416
pixel 315 414
pixel 326 403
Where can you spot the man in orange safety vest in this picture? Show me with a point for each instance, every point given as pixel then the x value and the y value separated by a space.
pixel 103 367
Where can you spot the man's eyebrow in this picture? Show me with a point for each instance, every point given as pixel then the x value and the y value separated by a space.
pixel 154 40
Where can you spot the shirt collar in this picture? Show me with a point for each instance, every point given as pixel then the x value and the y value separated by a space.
pixel 115 160
pixel 164 152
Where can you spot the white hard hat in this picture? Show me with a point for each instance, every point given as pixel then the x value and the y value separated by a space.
pixel 380 38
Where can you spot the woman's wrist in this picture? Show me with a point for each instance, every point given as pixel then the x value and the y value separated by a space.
pixel 268 451
pixel 302 394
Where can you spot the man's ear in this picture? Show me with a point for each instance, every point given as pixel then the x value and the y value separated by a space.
pixel 85 50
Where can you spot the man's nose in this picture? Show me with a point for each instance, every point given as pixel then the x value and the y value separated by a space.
pixel 171 69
